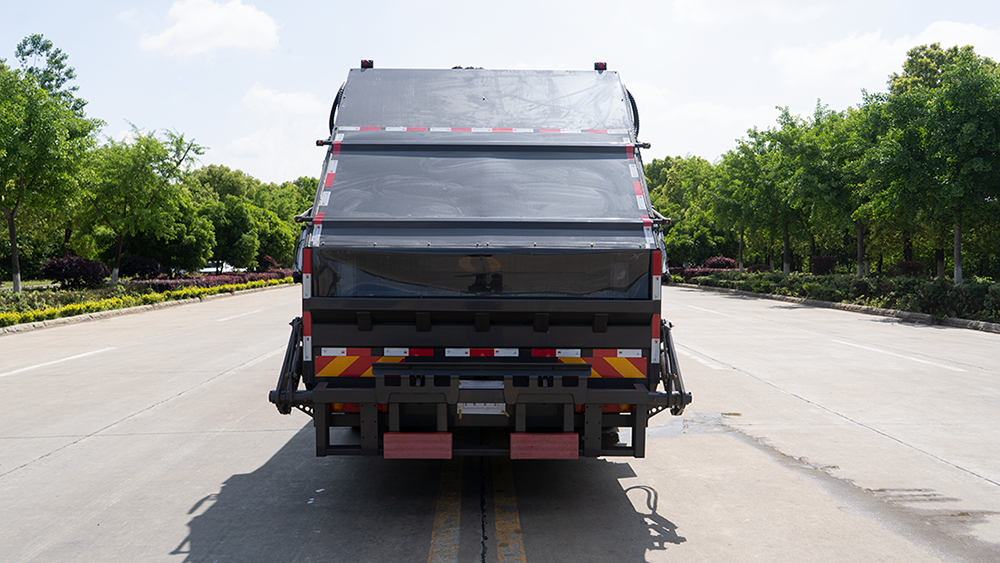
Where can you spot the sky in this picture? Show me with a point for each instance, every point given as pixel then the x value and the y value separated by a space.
pixel 253 80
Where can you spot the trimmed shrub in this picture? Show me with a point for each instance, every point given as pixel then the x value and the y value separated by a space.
pixel 941 298
pixel 143 268
pixel 73 272
pixel 720 263
pixel 818 291
pixel 907 269
pixel 266 264
pixel 236 278
pixel 823 264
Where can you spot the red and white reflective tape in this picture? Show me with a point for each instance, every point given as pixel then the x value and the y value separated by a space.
pixel 481 352
pixel 577 353
pixel 655 352
pixel 657 269
pixel 477 352
pixel 331 172
pixel 306 273
pixel 629 353
pixel 400 129
pixel 317 228
pixel 335 148
pixel 307 339
pixel 408 352
pixel 647 230
pixel 358 352
pixel 639 197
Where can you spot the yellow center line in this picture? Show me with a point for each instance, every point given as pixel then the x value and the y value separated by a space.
pixel 444 538
pixel 508 523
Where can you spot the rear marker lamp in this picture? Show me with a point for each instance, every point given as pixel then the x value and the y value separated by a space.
pixel 600 66
pixel 367 63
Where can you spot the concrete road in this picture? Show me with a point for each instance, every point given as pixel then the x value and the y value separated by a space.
pixel 815 435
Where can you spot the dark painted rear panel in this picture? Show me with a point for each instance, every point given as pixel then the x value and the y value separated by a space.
pixel 574 275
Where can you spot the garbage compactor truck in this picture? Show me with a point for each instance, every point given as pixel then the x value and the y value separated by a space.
pixel 481 271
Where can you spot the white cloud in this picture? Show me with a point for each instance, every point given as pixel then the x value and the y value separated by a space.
pixel 130 17
pixel 263 100
pixel 707 114
pixel 949 34
pixel 866 60
pixel 726 11
pixel 203 26
pixel 275 154
pixel 281 145
pixel 854 59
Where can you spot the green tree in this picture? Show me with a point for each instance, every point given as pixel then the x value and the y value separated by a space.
pixel 937 158
pixel 53 76
pixel 134 185
pixel 42 143
pixel 223 181
pixel 286 200
pixel 924 67
pixel 276 236
pixel 679 189
pixel 236 234
pixel 732 193
pixel 187 245
pixel 964 142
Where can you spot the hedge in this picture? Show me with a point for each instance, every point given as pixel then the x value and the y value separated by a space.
pixel 978 299
pixel 12 316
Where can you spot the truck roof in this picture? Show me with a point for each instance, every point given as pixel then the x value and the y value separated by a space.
pixel 479 98
pixel 419 148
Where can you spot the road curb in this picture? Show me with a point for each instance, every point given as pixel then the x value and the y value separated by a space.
pixel 904 316
pixel 28 327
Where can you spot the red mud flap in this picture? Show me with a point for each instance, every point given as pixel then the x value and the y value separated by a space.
pixel 416 445
pixel 565 445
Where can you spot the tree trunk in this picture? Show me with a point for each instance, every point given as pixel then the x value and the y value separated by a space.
pixel 958 251
pixel 786 257
pixel 907 246
pixel 741 250
pixel 15 263
pixel 939 258
pixel 118 259
pixel 859 233
pixel 67 234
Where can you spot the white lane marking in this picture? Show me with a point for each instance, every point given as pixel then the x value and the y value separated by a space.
pixel 240 315
pixel 36 366
pixel 911 358
pixel 710 311
pixel 705 362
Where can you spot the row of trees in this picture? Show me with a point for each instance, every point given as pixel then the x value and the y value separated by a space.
pixel 905 176
pixel 64 191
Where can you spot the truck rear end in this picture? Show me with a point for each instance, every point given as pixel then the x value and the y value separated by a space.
pixel 481 271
